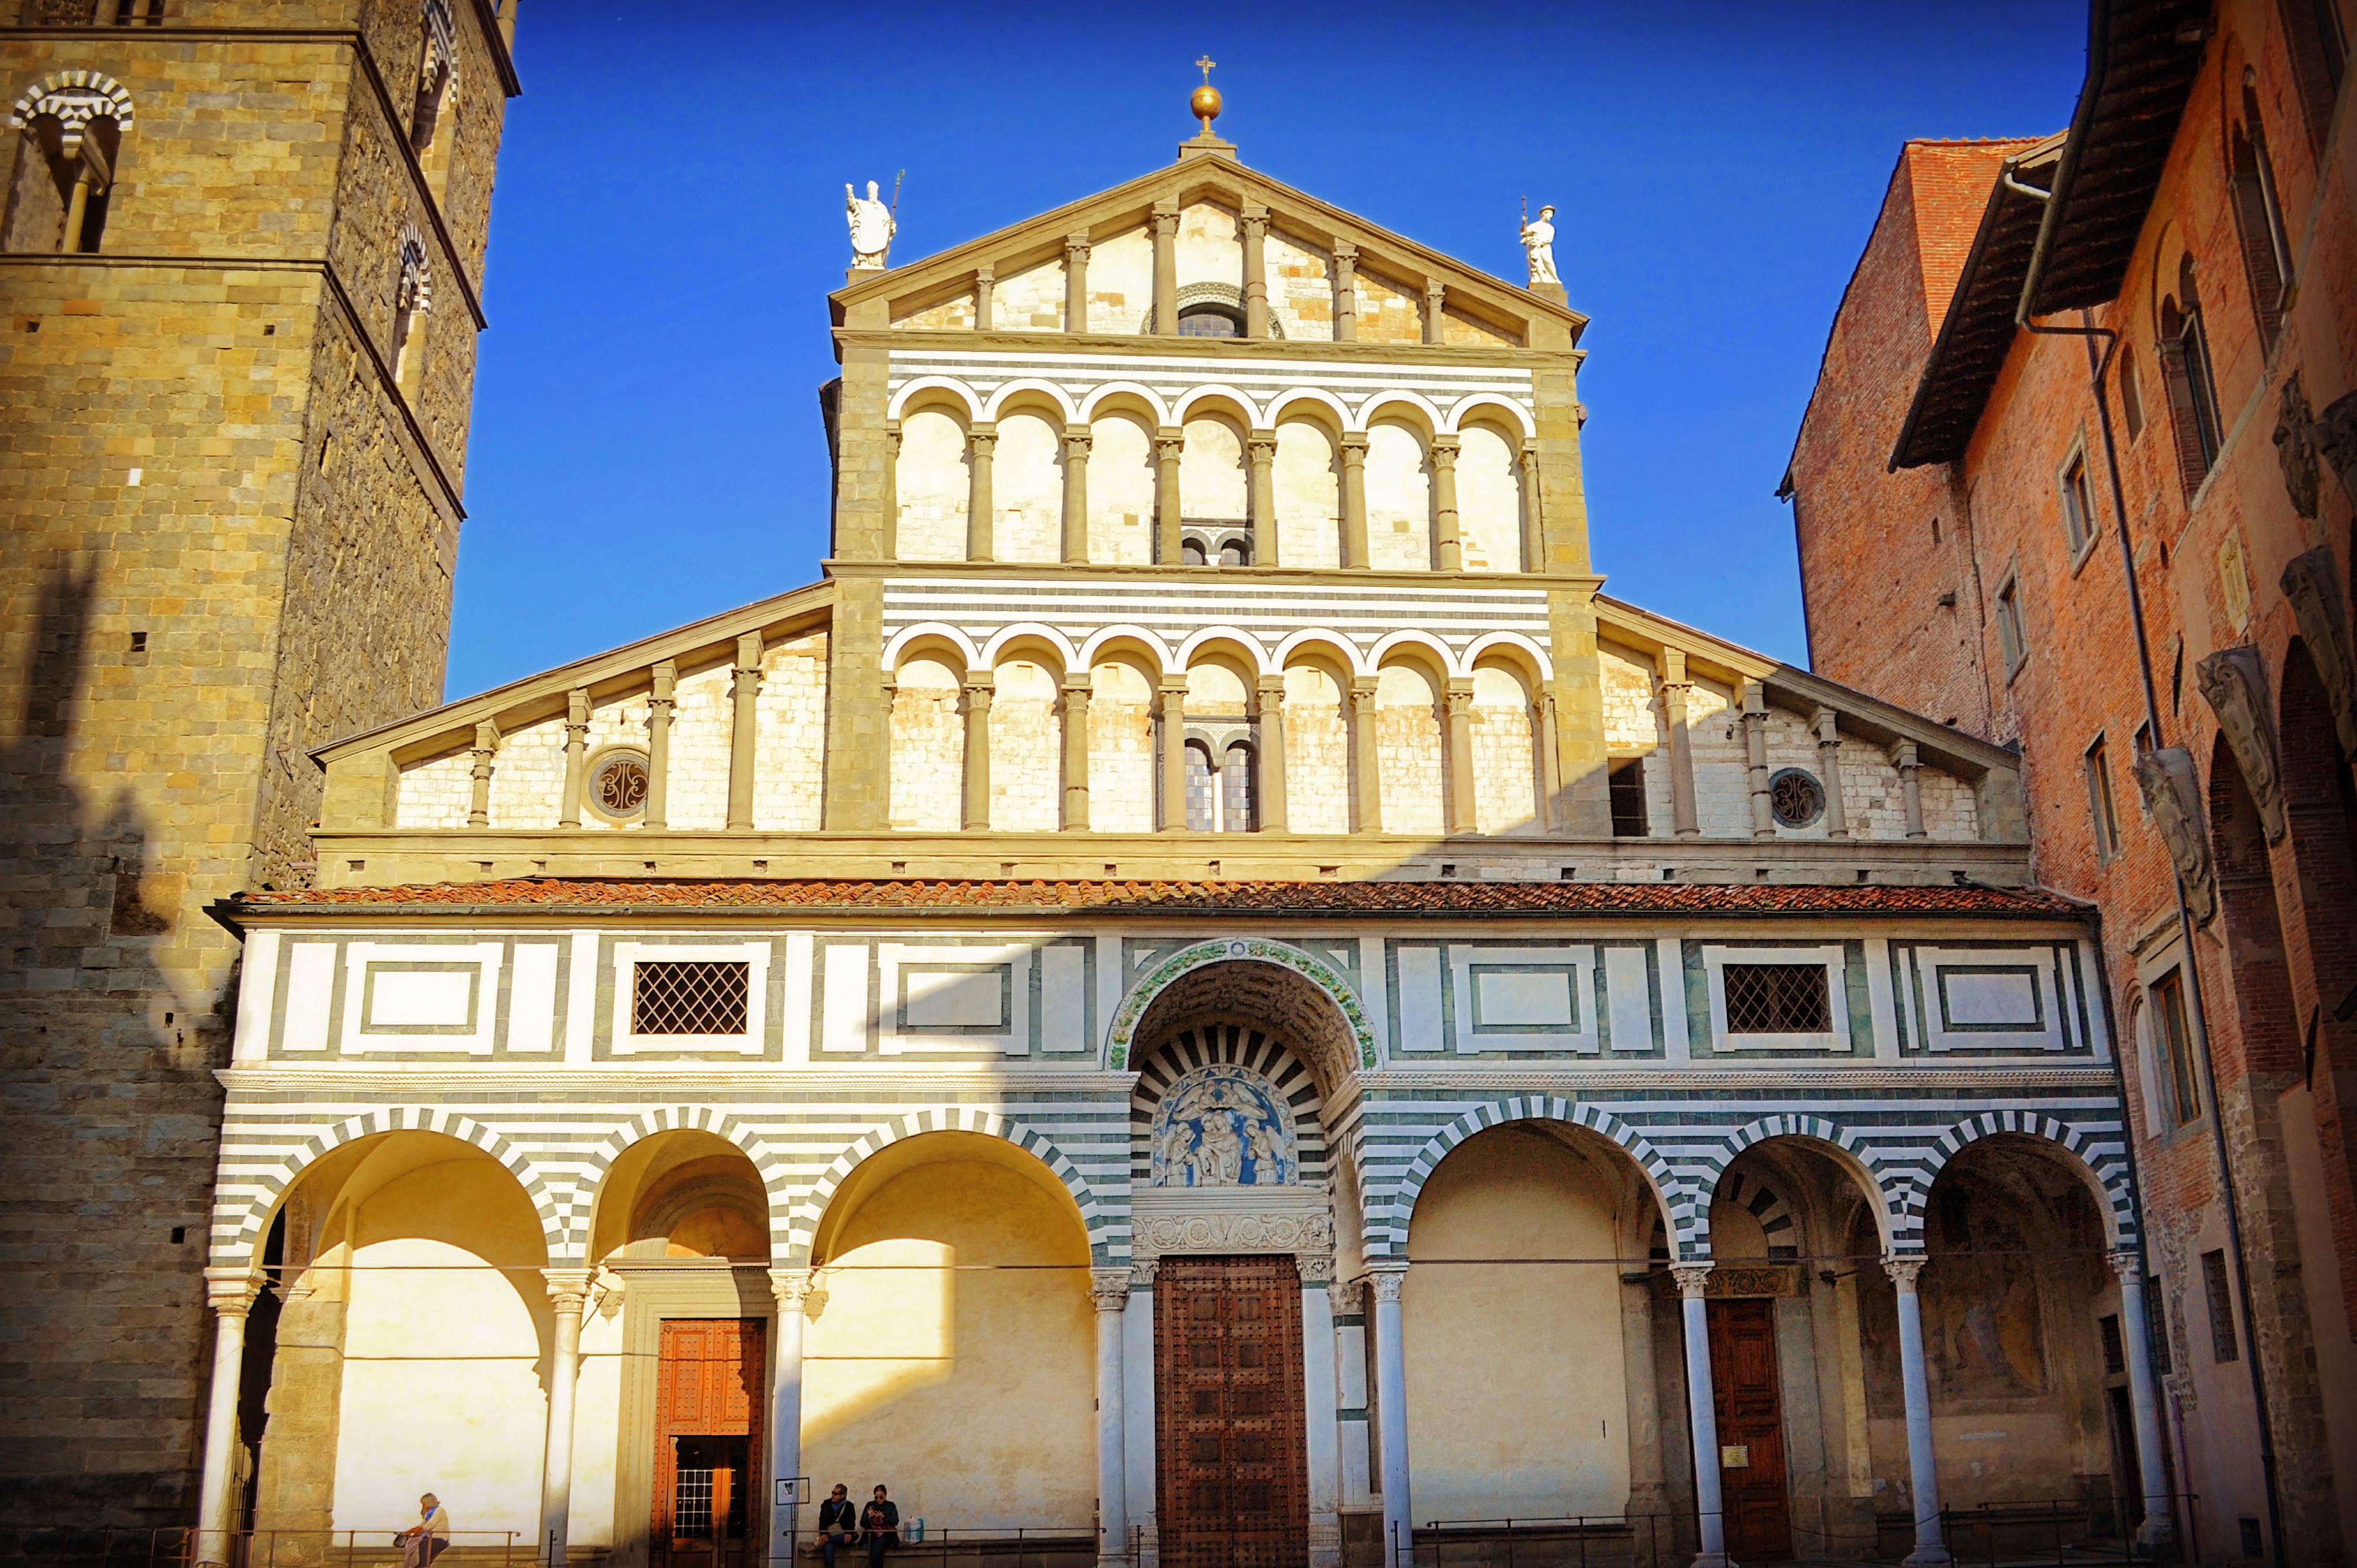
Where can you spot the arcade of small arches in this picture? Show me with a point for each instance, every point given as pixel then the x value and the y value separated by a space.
pixel 1126 477
pixel 951 1271
pixel 1123 733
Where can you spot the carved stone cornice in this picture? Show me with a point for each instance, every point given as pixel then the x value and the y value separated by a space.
pixel 1233 1230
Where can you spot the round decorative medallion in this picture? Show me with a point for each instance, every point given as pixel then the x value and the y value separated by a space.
pixel 618 785
pixel 1796 798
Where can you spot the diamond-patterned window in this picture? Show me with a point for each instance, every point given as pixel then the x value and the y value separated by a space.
pixel 681 998
pixel 1777 999
pixel 1200 796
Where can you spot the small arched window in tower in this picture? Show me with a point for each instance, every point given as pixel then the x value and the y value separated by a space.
pixel 1210 321
pixel 1202 802
pixel 2192 393
pixel 438 70
pixel 71 137
pixel 2258 215
pixel 413 297
pixel 1237 796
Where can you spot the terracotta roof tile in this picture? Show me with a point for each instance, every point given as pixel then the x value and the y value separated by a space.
pixel 1447 898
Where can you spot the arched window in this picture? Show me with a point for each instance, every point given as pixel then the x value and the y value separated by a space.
pixel 413 297
pixel 1210 321
pixel 1237 796
pixel 437 73
pixel 1202 802
pixel 72 127
pixel 2258 216
pixel 1221 796
pixel 2319 52
pixel 2184 351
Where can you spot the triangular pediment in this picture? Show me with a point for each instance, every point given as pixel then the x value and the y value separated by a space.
pixel 1295 217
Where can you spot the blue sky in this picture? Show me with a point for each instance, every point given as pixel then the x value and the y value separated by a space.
pixel 647 448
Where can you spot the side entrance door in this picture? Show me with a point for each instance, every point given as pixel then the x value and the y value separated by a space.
pixel 709 1401
pixel 1750 1428
pixel 1230 1435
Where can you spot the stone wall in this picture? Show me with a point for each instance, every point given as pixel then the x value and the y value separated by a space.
pixel 1027 786
pixel 1026 489
pixel 928 748
pixel 1399 500
pixel 1120 281
pixel 1409 765
pixel 1300 286
pixel 1120 749
pixel 1317 751
pixel 934 486
pixel 1307 477
pixel 1120 490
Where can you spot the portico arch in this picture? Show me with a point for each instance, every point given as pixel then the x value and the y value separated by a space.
pixel 1284 981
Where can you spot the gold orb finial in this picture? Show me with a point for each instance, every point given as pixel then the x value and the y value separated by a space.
pixel 1205 103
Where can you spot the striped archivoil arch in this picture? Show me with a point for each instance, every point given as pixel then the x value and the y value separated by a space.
pixel 2097 1153
pixel 246 1199
pixel 1108 1230
pixel 580 1205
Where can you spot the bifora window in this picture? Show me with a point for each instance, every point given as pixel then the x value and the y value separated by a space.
pixel 701 998
pixel 1777 999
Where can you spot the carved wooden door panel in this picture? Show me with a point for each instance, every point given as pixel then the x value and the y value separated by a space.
pixel 1231 1442
pixel 710 1394
pixel 1747 1396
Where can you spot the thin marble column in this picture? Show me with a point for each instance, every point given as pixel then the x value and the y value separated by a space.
pixel 1366 783
pixel 1446 538
pixel 790 1288
pixel 1391 1411
pixel 1169 441
pixel 2135 1335
pixel 1355 556
pixel 1318 1390
pixel 230 1293
pixel 660 704
pixel 1076 751
pixel 1457 702
pixel 568 1293
pixel 1110 1289
pixel 1915 1383
pixel 1078 440
pixel 1702 1415
pixel 1260 446
pixel 576 750
pixel 1173 693
pixel 976 817
pixel 981 537
pixel 744 690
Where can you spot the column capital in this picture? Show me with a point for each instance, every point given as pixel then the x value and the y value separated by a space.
pixel 792 1288
pixel 1262 444
pixel 487 738
pixel 1385 1276
pixel 1109 1288
pixel 1078 439
pixel 1693 1278
pixel 577 711
pixel 568 1289
pixel 1363 689
pixel 1078 683
pixel 1315 1268
pixel 1270 687
pixel 982 435
pixel 1827 723
pixel 1255 218
pixel 1169 441
pixel 1171 687
pixel 1354 446
pixel 1076 245
pixel 231 1292
pixel 1345 254
pixel 1349 1297
pixel 1458 692
pixel 1444 451
pixel 1142 1273
pixel 981 680
pixel 2128 1265
pixel 1903 756
pixel 1903 1268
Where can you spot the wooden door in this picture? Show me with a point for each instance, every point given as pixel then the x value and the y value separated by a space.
pixel 710 1398
pixel 1230 1434
pixel 1750 1428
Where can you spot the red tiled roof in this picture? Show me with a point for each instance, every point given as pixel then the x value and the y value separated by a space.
pixel 633 894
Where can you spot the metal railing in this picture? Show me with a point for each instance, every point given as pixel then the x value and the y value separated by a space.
pixel 182 1546
pixel 1010 1546
pixel 1570 1541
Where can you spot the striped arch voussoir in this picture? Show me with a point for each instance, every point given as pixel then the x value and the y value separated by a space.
pixel 2098 1153
pixel 775 1184
pixel 1387 1222
pixel 239 1222
pixel 1888 1186
pixel 793 1246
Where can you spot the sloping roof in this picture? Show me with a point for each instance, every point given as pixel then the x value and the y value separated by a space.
pixel 1950 184
pixel 1977 331
pixel 2142 56
pixel 633 895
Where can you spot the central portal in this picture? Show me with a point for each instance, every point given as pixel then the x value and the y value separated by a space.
pixel 1234 1491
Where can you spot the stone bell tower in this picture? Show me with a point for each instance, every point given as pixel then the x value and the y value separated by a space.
pixel 241 264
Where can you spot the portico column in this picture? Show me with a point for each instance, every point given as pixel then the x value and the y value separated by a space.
pixel 1318 1393
pixel 1261 447
pixel 1367 788
pixel 1137 1398
pixel 1169 441
pixel 1391 1411
pixel 1173 693
pixel 745 687
pixel 568 1291
pixel 1354 499
pixel 1922 1474
pixel 1110 1287
pixel 1270 691
pixel 1444 526
pixel 231 1294
pixel 1436 297
pixel 1676 688
pixel 1458 704
pixel 977 809
pixel 1828 728
pixel 791 1289
pixel 2135 1335
pixel 1077 442
pixel 1702 1414
pixel 1076 751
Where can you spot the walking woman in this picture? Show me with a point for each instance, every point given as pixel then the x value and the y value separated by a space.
pixel 880 1522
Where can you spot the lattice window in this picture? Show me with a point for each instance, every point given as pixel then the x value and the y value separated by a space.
pixel 677 998
pixel 1777 999
pixel 690 1509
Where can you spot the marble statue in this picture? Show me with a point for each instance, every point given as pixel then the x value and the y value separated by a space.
pixel 1222 1127
pixel 872 227
pixel 1538 245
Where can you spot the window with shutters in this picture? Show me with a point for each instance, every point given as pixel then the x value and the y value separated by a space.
pixel 2106 820
pixel 2174 1044
pixel 2258 216
pixel 2320 53
pixel 2224 1344
pixel 2010 637
pixel 2131 394
pixel 2078 504
pixel 2192 389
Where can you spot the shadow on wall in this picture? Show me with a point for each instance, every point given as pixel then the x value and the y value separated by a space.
pixel 113 1110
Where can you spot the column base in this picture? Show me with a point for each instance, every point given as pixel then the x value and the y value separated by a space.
pixel 1713 1560
pixel 1933 1556
pixel 2157 1529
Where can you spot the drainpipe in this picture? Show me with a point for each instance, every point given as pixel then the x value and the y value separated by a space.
pixel 2098 365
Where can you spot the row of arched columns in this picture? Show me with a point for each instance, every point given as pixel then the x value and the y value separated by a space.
pixel 1121 481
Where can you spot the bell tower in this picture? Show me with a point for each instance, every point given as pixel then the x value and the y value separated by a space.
pixel 242 263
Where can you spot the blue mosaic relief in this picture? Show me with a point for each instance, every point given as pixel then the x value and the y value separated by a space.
pixel 1223 1126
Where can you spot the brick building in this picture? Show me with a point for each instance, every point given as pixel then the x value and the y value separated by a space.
pixel 2170 284
pixel 241 264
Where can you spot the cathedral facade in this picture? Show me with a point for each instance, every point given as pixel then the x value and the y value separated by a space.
pixel 1203 996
